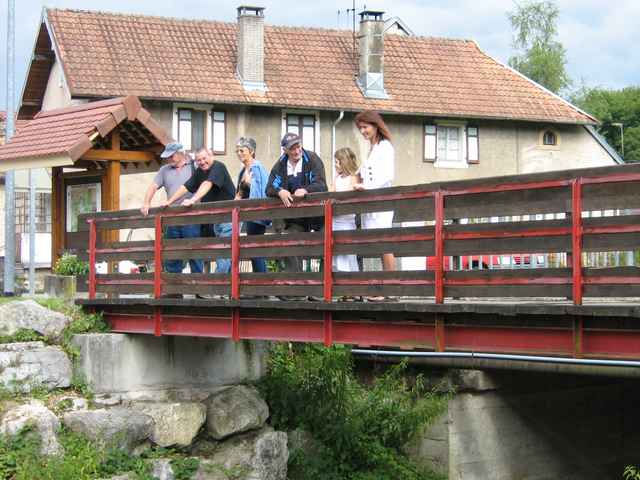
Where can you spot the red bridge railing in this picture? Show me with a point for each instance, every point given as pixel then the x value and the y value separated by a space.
pixel 437 205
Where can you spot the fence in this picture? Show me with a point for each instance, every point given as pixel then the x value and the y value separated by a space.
pixel 564 243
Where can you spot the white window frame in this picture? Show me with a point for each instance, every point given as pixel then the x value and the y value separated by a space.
pixel 208 109
pixel 316 132
pixel 462 140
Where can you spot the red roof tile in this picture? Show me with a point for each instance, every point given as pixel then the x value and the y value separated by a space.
pixel 106 54
pixel 69 131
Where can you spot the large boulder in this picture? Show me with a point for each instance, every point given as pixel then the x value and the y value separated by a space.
pixel 30 315
pixel 38 417
pixel 235 410
pixel 118 427
pixel 28 364
pixel 175 423
pixel 260 455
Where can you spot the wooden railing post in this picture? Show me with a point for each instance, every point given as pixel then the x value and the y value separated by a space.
pixel 92 258
pixel 439 246
pixel 328 250
pixel 576 237
pixel 157 258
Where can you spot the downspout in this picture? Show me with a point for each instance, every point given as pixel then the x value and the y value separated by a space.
pixel 333 143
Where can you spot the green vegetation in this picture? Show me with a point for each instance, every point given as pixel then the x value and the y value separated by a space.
pixel 22 335
pixel 20 459
pixel 539 55
pixel 631 473
pixel 614 107
pixel 360 430
pixel 69 264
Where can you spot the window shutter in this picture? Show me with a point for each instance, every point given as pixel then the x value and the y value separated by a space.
pixel 430 143
pixel 473 145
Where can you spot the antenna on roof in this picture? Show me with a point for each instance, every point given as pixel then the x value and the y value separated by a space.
pixel 353 48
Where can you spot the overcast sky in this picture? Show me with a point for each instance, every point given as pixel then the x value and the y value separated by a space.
pixel 600 37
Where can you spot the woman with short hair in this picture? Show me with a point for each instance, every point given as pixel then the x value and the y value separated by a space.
pixel 252 183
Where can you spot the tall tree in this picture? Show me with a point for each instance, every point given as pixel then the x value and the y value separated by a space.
pixel 539 55
pixel 614 108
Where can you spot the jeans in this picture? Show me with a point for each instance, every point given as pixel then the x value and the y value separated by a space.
pixel 182 231
pixel 221 230
pixel 259 264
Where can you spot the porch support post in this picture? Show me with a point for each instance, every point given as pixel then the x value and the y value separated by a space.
pixel 57 214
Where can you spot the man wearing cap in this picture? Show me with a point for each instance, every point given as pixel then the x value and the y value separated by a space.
pixel 210 182
pixel 171 177
pixel 296 173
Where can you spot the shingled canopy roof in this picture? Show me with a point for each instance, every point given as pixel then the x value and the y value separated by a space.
pixel 106 55
pixel 63 136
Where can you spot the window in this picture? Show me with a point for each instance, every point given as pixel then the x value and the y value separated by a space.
pixel 191 128
pixel 218 132
pixel 451 145
pixel 549 138
pixel 81 198
pixel 197 126
pixel 305 126
pixel 43 212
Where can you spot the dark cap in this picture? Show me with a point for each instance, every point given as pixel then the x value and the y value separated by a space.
pixel 289 140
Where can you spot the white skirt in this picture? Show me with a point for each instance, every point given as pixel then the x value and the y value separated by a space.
pixel 345 263
pixel 377 220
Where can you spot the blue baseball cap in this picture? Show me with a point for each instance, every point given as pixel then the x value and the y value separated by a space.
pixel 171 148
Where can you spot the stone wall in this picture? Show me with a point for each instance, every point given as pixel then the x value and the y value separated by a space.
pixel 515 425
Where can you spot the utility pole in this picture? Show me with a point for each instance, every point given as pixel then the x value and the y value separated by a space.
pixel 9 186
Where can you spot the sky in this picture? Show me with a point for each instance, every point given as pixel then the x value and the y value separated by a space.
pixel 599 36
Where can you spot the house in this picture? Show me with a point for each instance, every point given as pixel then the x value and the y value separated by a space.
pixel 454 111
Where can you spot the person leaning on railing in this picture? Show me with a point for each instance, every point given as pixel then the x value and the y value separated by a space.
pixel 171 177
pixel 210 182
pixel 296 173
pixel 377 171
pixel 252 183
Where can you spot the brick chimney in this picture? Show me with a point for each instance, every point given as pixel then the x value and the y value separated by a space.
pixel 251 47
pixel 371 42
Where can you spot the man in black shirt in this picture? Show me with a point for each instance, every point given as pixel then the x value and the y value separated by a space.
pixel 211 182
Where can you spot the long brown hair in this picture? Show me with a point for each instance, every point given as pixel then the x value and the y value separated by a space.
pixel 374 118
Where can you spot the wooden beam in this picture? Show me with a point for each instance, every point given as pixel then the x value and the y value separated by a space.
pixel 57 214
pixel 120 155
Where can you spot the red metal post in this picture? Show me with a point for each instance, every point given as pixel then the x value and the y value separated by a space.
pixel 157 274
pixel 328 250
pixel 157 321
pixel 235 253
pixel 576 236
pixel 92 258
pixel 439 246
pixel 328 329
pixel 440 342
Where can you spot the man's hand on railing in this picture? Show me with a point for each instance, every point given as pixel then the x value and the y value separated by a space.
pixel 286 197
pixel 300 193
pixel 164 204
pixel 358 187
pixel 145 209
pixel 188 202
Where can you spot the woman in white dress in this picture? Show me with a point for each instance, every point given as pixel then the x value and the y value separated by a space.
pixel 346 177
pixel 377 171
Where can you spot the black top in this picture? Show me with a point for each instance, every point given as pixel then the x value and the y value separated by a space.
pixel 218 175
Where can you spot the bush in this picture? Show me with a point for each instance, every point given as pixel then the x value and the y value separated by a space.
pixel 361 429
pixel 69 264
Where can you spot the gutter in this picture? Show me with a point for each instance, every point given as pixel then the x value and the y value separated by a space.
pixel 581 366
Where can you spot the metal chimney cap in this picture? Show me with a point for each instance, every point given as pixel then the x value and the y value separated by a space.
pixel 371 15
pixel 251 10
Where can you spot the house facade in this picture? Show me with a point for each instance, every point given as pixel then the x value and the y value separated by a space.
pixel 454 112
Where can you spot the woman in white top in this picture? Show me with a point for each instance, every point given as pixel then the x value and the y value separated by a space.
pixel 346 177
pixel 377 171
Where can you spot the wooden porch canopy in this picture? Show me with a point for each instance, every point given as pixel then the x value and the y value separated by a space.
pixel 102 137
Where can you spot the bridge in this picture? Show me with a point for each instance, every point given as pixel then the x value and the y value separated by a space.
pixel 559 308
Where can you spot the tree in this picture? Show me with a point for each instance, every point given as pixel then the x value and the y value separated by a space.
pixel 539 55
pixel 615 107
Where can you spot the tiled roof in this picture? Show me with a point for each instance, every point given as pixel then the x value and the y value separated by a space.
pixel 106 54
pixel 69 132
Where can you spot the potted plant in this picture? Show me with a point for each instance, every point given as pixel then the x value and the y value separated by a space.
pixel 62 282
